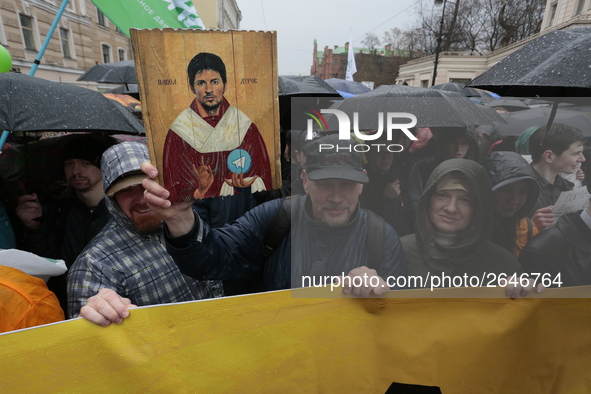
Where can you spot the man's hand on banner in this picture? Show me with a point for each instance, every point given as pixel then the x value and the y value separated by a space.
pixel 364 282
pixel 515 289
pixel 106 307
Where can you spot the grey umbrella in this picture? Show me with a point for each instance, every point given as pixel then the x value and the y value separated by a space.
pixel 510 105
pixel 35 104
pixel 308 85
pixel 458 88
pixel 431 107
pixel 517 122
pixel 116 72
pixel 351 87
pixel 558 64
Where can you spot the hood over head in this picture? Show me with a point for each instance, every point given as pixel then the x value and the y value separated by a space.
pixel 473 178
pixel 121 166
pixel 121 169
pixel 504 168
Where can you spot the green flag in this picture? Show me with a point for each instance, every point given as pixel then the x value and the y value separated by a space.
pixel 149 14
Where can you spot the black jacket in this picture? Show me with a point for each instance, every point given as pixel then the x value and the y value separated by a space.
pixel 564 248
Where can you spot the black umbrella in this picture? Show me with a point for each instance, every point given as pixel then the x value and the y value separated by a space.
pixel 431 107
pixel 35 104
pixel 116 72
pixel 308 85
pixel 343 85
pixel 130 89
pixel 518 122
pixel 511 105
pixel 558 64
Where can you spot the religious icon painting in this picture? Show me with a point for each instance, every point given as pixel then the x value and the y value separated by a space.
pixel 210 109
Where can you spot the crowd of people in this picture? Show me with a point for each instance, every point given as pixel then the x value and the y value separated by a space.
pixel 447 208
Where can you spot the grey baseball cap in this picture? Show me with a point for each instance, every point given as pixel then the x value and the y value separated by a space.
pixel 331 158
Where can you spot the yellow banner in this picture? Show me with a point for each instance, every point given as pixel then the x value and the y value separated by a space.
pixel 277 343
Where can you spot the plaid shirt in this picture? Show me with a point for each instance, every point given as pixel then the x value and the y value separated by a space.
pixel 136 265
pixel 133 263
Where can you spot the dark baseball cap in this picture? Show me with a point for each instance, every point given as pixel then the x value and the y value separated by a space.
pixel 331 158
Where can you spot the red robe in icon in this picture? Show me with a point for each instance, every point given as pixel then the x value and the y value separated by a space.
pixel 192 139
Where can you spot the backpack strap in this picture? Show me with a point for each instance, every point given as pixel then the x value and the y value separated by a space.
pixel 281 225
pixel 376 228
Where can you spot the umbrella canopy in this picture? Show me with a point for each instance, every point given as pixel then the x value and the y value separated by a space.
pixel 517 122
pixel 350 87
pixel 116 72
pixel 431 107
pixel 510 105
pixel 35 104
pixel 458 88
pixel 307 85
pixel 558 64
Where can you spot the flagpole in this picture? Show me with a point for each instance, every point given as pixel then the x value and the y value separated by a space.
pixel 39 56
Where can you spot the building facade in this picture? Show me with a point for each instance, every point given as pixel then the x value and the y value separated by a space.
pixel 83 37
pixel 462 67
pixel 377 65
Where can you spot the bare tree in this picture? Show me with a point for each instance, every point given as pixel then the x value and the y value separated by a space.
pixel 472 25
pixel 370 41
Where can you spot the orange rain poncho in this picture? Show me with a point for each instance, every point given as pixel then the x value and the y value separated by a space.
pixel 25 301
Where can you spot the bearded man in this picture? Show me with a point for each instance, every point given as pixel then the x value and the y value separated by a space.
pixel 212 148
pixel 128 255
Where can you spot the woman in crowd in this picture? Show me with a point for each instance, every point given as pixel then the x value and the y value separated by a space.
pixel 453 225
pixel 515 192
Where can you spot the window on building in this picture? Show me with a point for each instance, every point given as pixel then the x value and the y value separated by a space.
pixel 82 6
pixel 69 7
pixel 65 40
pixel 101 20
pixel 335 62
pixel 424 83
pixel 553 8
pixel 28 32
pixel 106 50
pixel 122 54
pixel 118 30
pixel 580 6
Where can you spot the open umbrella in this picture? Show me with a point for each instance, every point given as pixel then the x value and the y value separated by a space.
pixel 350 87
pixel 556 64
pixel 511 105
pixel 35 104
pixel 431 107
pixel 458 88
pixel 307 85
pixel 116 72
pixel 517 122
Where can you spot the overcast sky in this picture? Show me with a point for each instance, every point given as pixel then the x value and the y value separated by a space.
pixel 299 22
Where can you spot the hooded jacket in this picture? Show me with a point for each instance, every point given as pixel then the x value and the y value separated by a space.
pixel 563 251
pixel 505 168
pixel 473 254
pixel 423 168
pixel 133 263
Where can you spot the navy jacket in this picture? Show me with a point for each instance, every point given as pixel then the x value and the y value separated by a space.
pixel 234 250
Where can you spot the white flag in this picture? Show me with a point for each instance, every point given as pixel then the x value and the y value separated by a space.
pixel 351 66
